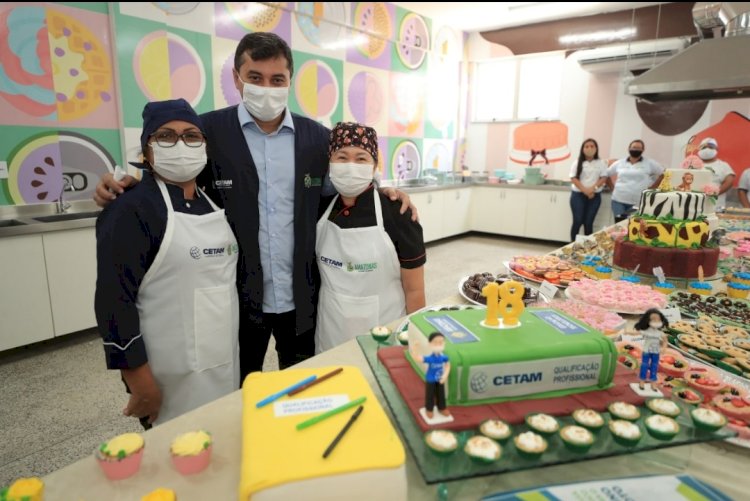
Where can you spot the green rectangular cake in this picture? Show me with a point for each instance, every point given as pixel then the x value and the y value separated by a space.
pixel 550 354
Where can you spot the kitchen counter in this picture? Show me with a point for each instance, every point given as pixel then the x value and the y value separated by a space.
pixel 447 187
pixel 43 218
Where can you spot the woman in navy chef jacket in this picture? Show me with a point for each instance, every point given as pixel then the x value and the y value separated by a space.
pixel 166 302
pixel 371 258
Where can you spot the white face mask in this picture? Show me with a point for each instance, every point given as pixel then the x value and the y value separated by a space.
pixel 655 325
pixel 350 179
pixel 180 162
pixel 707 154
pixel 264 103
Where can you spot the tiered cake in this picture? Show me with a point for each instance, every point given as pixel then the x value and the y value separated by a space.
pixel 669 231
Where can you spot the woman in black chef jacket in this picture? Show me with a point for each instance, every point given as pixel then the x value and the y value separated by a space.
pixel 166 302
pixel 371 258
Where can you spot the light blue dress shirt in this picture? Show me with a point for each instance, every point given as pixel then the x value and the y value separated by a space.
pixel 273 155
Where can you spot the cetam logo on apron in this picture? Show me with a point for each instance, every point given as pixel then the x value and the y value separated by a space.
pixel 197 252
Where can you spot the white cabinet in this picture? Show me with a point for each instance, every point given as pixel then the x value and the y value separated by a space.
pixel 71 275
pixel 25 314
pixel 457 211
pixel 430 209
pixel 498 210
pixel 548 215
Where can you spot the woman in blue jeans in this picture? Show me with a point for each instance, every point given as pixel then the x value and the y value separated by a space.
pixel 587 175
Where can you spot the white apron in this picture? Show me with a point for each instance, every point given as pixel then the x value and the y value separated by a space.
pixel 360 280
pixel 189 311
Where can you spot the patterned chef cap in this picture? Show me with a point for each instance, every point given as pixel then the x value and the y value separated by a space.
pixel 354 134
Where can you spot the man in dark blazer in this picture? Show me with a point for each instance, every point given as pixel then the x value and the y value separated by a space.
pixel 268 168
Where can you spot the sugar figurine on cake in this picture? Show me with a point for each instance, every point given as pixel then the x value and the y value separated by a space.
pixel 438 370
pixel 651 326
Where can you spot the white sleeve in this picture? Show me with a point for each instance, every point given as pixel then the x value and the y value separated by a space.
pixel 656 168
pixel 726 170
pixel 612 169
pixel 744 183
pixel 603 168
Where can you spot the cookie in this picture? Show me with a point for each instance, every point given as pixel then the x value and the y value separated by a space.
pixel 731 330
pixel 692 341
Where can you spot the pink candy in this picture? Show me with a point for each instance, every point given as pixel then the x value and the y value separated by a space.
pixel 617 295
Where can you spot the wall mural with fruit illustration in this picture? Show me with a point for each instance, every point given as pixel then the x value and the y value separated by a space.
pixel 58 113
pixel 74 78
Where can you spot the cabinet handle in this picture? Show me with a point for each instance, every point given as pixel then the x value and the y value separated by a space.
pixel 429 198
pixel 458 194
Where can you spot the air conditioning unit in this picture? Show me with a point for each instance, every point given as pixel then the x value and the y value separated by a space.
pixel 634 56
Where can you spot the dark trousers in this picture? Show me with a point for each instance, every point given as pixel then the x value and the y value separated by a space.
pixel 584 212
pixel 432 390
pixel 620 210
pixel 255 334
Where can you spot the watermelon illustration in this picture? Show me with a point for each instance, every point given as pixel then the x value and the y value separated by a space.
pixel 40 167
pixel 406 162
pixel 414 41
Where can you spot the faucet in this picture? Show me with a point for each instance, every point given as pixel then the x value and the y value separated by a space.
pixel 62 205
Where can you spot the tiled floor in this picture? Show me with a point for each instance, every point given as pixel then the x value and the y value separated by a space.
pixel 58 401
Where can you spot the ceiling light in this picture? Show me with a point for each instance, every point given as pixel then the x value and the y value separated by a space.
pixel 599 36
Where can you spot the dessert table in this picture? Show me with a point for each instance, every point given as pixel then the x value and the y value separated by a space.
pixel 720 464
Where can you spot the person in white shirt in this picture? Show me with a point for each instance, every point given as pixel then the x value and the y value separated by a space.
pixel 587 175
pixel 633 175
pixel 723 174
pixel 743 187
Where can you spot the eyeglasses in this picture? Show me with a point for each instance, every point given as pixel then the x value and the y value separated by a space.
pixel 168 138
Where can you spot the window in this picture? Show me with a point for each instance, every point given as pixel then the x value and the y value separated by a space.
pixel 523 88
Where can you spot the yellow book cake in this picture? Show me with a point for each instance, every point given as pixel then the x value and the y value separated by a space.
pixel 280 461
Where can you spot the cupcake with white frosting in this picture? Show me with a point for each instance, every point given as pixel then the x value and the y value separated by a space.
pixel 482 449
pixel 496 429
pixel 380 333
pixel 577 438
pixel 442 442
pixel 624 432
pixel 662 427
pixel 530 445
pixel 624 410
pixel 664 407
pixel 588 418
pixel 707 419
pixel 543 423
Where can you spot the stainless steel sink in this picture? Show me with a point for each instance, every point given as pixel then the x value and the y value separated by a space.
pixel 11 222
pixel 67 217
